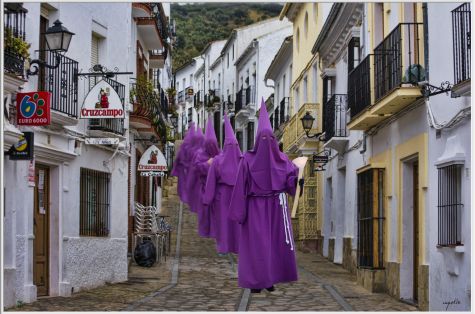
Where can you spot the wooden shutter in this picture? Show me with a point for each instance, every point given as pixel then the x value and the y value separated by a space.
pixel 94 50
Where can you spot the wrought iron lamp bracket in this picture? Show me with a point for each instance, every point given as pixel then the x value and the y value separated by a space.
pixel 37 63
pixel 100 70
pixel 320 136
pixel 431 90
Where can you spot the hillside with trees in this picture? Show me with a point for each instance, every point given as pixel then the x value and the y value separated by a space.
pixel 199 23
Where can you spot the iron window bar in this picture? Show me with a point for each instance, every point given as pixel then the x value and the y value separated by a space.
pixel 461 27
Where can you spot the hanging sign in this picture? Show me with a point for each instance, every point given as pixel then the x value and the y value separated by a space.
pixel 102 102
pixel 320 159
pixel 152 174
pixel 189 91
pixel 101 141
pixel 23 149
pixel 152 160
pixel 33 108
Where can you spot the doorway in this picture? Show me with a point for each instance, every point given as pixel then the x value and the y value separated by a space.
pixel 41 230
pixel 410 231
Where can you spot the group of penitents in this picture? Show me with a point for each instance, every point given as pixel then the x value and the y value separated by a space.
pixel 240 200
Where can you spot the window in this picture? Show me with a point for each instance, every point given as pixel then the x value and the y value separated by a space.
pixel 315 11
pixel 305 90
pixel 250 135
pixel 190 114
pixel 191 80
pixel 296 99
pixel 370 218
pixel 42 54
pixel 297 42
pixel 227 58
pixel 353 53
pixel 239 138
pixel 450 205
pixel 94 203
pixel 315 83
pixel 233 52
pixel 305 25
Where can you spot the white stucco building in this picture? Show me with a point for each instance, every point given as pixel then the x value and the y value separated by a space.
pixel 279 73
pixel 66 212
pixel 394 191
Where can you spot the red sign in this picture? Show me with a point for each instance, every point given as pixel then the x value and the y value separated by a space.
pixel 33 108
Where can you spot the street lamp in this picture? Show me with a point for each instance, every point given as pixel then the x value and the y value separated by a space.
pixel 307 123
pixel 57 39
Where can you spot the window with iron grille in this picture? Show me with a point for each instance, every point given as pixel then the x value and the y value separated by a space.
pixel 239 139
pixel 461 21
pixel 94 203
pixel 450 205
pixel 370 218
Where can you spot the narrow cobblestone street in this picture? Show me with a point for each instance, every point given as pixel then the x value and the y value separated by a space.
pixel 195 278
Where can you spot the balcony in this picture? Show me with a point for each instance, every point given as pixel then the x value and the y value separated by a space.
pixel 14 17
pixel 247 99
pixel 108 127
pixel 239 102
pixel 180 98
pixel 389 76
pixel 157 58
pixel 461 36
pixel 198 99
pixel 334 122
pixel 294 138
pixel 147 109
pixel 151 23
pixel 62 82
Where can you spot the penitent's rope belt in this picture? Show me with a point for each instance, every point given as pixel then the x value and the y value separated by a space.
pixel 288 232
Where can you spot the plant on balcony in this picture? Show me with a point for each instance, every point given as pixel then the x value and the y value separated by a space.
pixel 171 92
pixel 15 44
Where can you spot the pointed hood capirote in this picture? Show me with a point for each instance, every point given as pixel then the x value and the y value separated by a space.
pixel 231 155
pixel 211 142
pixel 267 164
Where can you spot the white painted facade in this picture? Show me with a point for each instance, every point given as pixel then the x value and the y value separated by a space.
pixel 76 262
pixel 279 76
pixel 450 270
pixel 251 67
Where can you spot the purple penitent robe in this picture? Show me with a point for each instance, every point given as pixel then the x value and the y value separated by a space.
pixel 259 204
pixel 218 190
pixel 197 180
pixel 180 166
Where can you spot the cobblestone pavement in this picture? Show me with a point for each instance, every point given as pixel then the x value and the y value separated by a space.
pixel 198 279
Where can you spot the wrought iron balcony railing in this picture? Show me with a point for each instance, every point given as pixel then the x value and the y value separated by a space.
pixel 14 17
pixel 147 102
pixel 462 40
pixel 284 110
pixel 250 95
pixel 359 90
pixel 334 117
pixel 180 97
pixel 397 59
pixel 276 119
pixel 62 82
pixel 239 101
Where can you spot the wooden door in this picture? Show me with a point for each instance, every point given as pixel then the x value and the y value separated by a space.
pixel 415 173
pixel 41 231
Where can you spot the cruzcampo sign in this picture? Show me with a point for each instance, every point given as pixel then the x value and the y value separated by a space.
pixel 102 102
pixel 33 108
pixel 152 160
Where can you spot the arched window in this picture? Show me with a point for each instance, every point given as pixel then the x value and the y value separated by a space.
pixel 297 42
pixel 315 11
pixel 305 25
